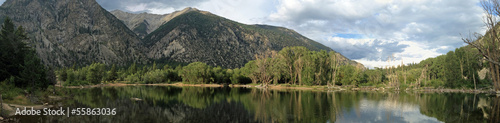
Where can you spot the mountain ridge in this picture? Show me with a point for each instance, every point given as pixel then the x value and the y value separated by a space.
pixel 81 32
pixel 232 43
pixel 144 23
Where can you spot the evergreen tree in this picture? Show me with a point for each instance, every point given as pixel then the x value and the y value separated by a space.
pixel 452 73
pixel 33 74
pixel 12 49
pixel 71 77
pixel 63 75
pixel 132 69
pixel 154 66
pixel 112 75
pixel 18 60
pixel 95 73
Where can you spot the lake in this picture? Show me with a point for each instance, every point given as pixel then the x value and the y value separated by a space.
pixel 201 104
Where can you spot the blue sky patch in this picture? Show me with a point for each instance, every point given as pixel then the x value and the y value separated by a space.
pixel 346 35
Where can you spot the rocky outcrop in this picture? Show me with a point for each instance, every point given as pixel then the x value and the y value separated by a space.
pixel 67 32
pixel 144 23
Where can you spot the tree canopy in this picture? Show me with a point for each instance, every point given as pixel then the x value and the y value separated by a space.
pixel 20 63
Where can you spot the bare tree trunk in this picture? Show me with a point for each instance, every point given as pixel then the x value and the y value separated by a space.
pixel 396 81
pixel 495 77
pixel 334 77
pixel 318 76
pixel 335 63
pixel 461 68
pixel 492 70
pixel 292 79
pixel 298 67
pixel 425 73
pixel 474 77
pixel 404 71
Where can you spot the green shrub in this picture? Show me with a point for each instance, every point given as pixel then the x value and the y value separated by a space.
pixel 155 76
pixel 9 91
pixel 403 86
pixel 95 73
pixel 134 78
pixel 434 83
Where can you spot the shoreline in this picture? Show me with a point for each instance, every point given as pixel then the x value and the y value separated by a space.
pixel 297 87
pixel 10 107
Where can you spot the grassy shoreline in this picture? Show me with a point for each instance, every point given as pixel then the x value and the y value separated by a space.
pixel 299 87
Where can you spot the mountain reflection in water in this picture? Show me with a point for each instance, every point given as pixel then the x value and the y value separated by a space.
pixel 199 104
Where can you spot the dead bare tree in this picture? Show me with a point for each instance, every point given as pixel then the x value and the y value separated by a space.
pixel 422 76
pixel 299 65
pixel 264 62
pixel 404 71
pixel 334 64
pixel 489 44
pixel 391 72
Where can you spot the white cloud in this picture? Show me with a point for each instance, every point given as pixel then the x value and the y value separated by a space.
pixel 414 53
pixel 428 27
pixel 161 10
pixel 152 7
pixel 244 11
pixel 365 48
pixel 351 41
pixel 136 8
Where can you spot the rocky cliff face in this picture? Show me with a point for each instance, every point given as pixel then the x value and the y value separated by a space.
pixel 66 32
pixel 144 23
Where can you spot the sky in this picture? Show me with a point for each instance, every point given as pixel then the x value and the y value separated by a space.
pixel 367 31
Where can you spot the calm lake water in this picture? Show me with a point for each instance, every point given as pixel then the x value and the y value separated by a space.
pixel 221 105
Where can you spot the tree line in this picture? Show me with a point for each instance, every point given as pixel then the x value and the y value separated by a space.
pixel 298 66
pixel 291 65
pixel 455 69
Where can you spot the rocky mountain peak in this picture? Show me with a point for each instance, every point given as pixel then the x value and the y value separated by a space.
pixel 145 23
pixel 67 32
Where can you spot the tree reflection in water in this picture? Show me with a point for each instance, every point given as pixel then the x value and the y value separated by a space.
pixel 198 104
pixel 495 112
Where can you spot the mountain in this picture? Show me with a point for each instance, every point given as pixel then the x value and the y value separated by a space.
pixel 194 35
pixel 67 32
pixel 144 23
